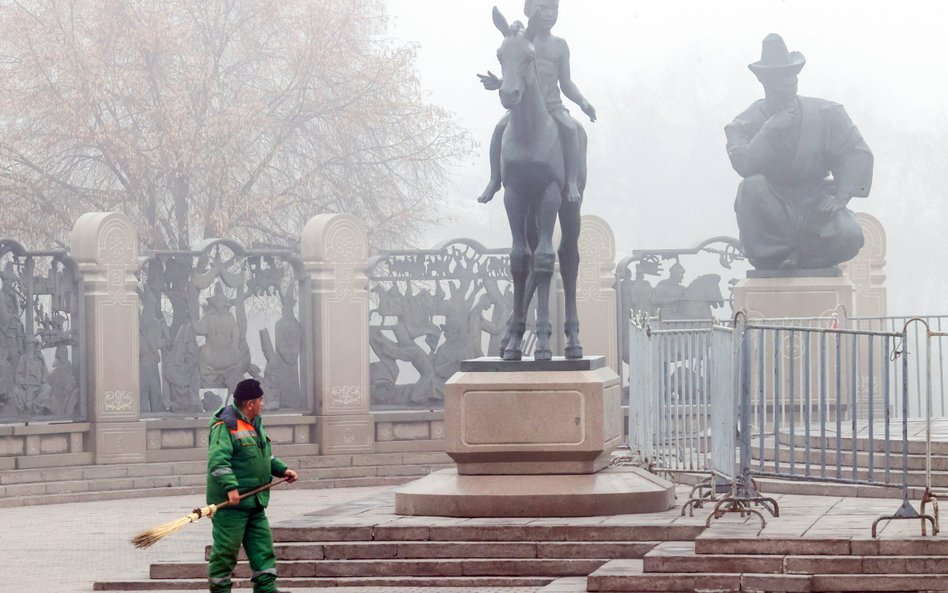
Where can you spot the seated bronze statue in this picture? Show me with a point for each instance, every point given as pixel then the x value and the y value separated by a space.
pixel 802 160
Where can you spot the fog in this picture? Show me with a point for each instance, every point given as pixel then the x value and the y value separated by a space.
pixel 666 77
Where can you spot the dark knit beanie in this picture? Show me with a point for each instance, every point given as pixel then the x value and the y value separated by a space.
pixel 247 390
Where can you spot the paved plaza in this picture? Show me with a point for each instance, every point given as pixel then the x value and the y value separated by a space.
pixel 66 548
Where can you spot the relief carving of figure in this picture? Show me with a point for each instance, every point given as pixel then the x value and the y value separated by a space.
pixel 153 334
pixel 7 383
pixel 289 343
pixel 384 373
pixel 32 381
pixel 636 298
pixel 282 371
pixel 669 293
pixel 183 371
pixel 222 362
pixel 802 161
pixel 64 389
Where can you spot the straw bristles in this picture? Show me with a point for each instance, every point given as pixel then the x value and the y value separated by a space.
pixel 149 537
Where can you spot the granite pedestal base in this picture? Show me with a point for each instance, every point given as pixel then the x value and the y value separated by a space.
pixel 525 417
pixel 612 491
pixel 783 297
pixel 533 439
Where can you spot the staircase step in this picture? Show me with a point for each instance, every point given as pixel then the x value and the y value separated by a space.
pixel 915 447
pixel 715 544
pixel 490 532
pixel 200 584
pixel 914 565
pixel 915 461
pixel 388 568
pixel 861 583
pixel 627 575
pixel 566 585
pixel 680 557
pixel 444 550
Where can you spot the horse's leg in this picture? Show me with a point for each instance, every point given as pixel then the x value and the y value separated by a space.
pixel 544 261
pixel 519 269
pixel 570 224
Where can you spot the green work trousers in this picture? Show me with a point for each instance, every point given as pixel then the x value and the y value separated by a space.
pixel 233 527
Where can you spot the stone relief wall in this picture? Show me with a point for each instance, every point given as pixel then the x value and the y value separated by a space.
pixel 217 315
pixel 40 353
pixel 429 311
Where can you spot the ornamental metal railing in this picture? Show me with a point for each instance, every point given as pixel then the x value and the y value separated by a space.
pixel 42 364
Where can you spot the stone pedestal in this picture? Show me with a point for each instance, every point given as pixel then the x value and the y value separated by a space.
pixel 771 298
pixel 557 417
pixel 532 439
pixel 613 491
pixel 335 249
pixel 105 245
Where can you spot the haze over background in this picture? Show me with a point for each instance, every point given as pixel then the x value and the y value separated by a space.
pixel 666 77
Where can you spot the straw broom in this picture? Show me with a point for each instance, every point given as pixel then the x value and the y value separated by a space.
pixel 147 538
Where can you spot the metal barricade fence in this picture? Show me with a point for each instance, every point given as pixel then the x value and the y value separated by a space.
pixel 811 399
pixel 809 414
pixel 926 336
pixel 820 404
pixel 682 405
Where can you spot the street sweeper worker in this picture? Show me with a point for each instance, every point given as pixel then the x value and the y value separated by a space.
pixel 239 460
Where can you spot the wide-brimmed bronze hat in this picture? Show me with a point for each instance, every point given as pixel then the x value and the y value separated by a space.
pixel 776 60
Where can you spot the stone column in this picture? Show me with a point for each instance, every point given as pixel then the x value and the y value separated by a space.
pixel 105 245
pixel 867 270
pixel 335 250
pixel 595 292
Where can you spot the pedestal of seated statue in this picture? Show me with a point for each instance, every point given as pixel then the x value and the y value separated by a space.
pixel 534 439
pixel 781 294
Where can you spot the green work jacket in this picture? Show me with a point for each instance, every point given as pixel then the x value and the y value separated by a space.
pixel 239 457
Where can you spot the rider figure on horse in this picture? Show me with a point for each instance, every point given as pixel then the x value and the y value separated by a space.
pixel 553 70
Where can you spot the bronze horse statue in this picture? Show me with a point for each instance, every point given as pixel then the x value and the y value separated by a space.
pixel 534 179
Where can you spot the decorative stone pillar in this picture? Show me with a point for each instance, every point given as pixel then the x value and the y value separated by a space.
pixel 335 250
pixel 105 245
pixel 595 292
pixel 867 270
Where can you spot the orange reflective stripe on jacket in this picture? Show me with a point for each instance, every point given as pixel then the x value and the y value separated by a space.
pixel 243 429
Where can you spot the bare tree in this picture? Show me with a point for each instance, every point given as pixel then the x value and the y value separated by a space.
pixel 207 118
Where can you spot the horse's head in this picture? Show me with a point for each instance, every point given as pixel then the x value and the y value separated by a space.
pixel 706 289
pixel 516 56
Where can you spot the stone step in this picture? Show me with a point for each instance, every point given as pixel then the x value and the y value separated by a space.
pixel 494 567
pixel 85 484
pixel 863 443
pixel 816 457
pixel 711 543
pixel 459 549
pixel 771 486
pixel 42 499
pixel 299 585
pixel 681 557
pixel 566 585
pixel 491 532
pixel 307 464
pixel 915 477
pixel 629 575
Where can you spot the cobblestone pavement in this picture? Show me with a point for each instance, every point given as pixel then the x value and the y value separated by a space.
pixel 66 548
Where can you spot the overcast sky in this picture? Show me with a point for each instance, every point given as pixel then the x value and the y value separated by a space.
pixel 667 76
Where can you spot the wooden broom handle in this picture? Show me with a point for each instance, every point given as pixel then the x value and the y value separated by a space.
pixel 252 492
